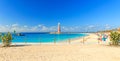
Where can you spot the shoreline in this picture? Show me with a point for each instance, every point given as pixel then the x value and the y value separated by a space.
pixel 59 42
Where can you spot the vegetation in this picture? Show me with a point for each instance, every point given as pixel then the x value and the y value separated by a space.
pixel 0 36
pixel 115 38
pixel 14 32
pixel 6 39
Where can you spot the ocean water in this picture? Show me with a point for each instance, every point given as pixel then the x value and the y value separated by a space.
pixel 45 37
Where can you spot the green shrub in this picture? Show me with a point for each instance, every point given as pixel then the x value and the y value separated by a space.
pixel 115 38
pixel 0 36
pixel 6 39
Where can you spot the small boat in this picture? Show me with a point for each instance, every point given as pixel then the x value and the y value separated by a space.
pixel 20 34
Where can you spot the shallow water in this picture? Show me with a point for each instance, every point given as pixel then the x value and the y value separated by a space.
pixel 45 37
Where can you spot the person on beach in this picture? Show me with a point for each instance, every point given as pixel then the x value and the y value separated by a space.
pixel 104 37
pixel 99 38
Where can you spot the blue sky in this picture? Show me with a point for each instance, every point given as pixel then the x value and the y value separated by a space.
pixel 74 15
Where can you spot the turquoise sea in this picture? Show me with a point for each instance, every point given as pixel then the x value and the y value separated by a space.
pixel 45 37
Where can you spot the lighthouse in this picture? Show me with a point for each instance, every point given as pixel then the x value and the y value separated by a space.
pixel 59 30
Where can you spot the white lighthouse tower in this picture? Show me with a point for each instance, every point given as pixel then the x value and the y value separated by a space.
pixel 59 30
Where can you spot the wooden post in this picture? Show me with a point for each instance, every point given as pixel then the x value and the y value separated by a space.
pixel 98 41
pixel 54 40
pixel 25 40
pixel 15 42
pixel 83 40
pixel 69 41
pixel 40 41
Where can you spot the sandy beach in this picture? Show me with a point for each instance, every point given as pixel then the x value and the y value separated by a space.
pixel 76 51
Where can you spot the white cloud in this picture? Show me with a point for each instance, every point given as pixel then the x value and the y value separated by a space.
pixel 38 28
pixel 14 25
pixel 25 26
pixel 40 25
pixel 107 26
pixel 91 26
pixel 43 28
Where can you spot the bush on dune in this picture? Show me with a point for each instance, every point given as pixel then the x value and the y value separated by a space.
pixel 115 38
pixel 6 39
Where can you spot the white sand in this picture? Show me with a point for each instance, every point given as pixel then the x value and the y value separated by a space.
pixel 89 51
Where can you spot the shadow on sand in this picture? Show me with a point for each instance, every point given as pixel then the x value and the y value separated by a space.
pixel 15 46
pixel 19 45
